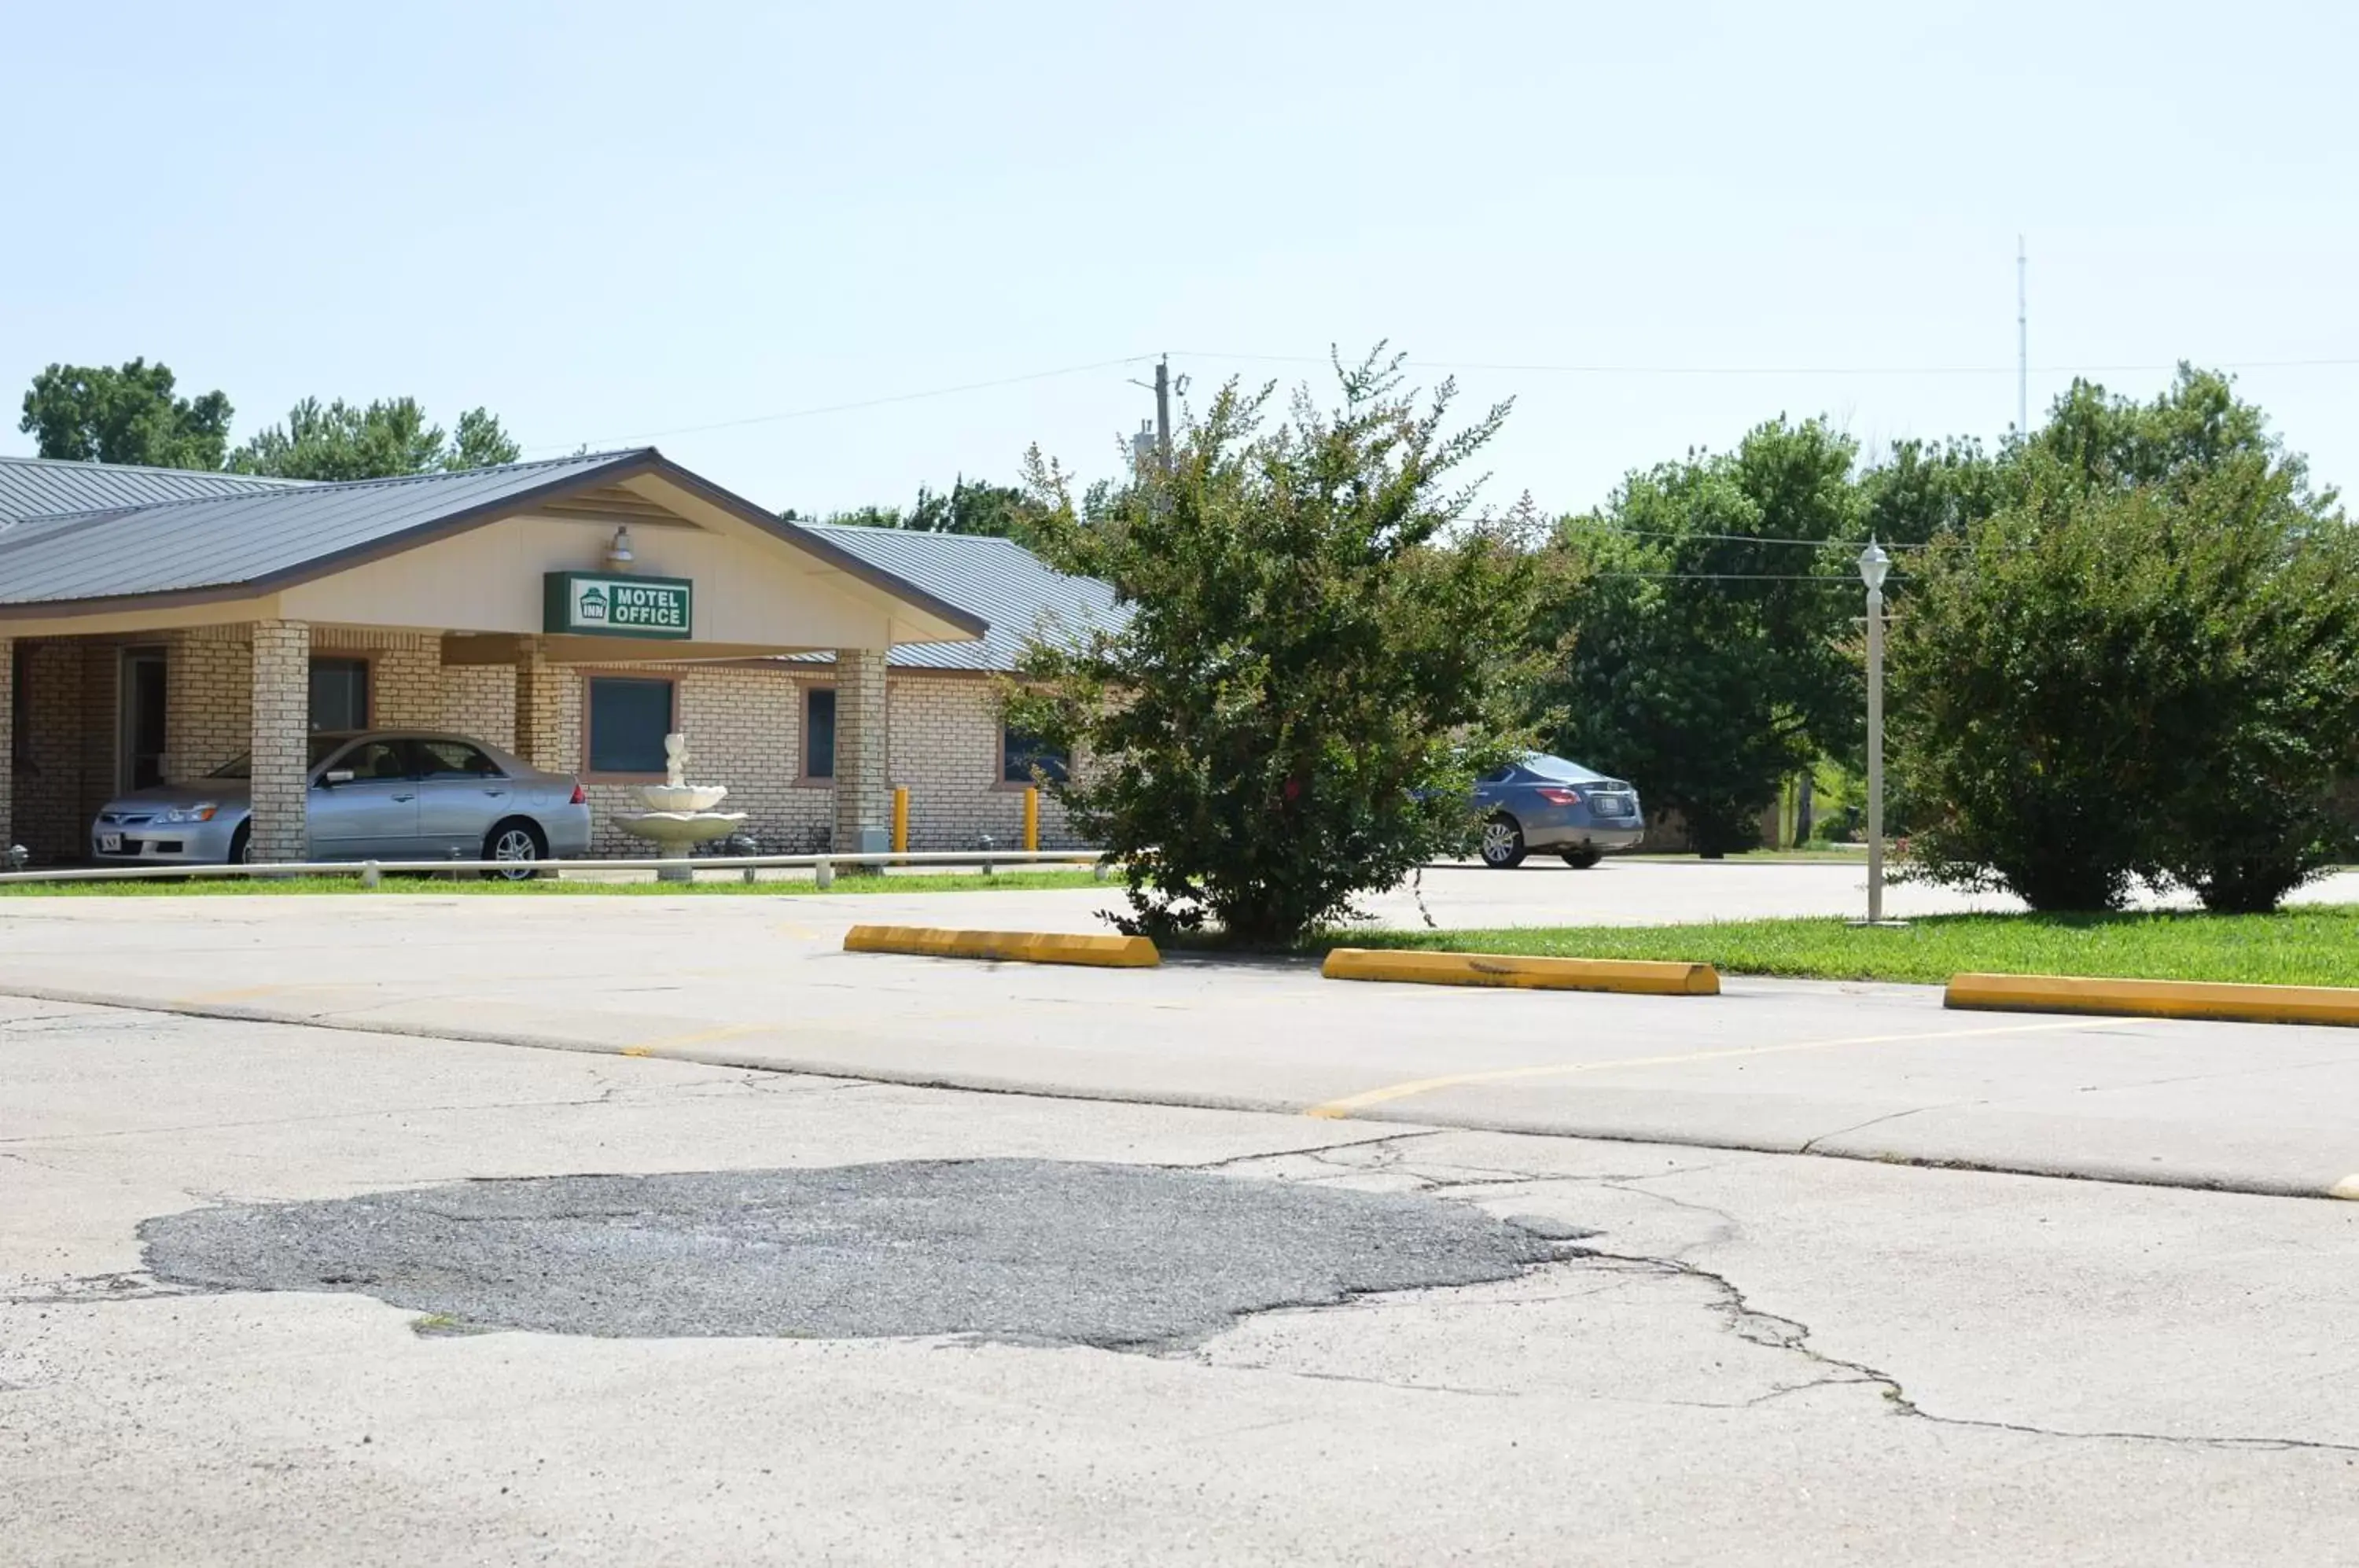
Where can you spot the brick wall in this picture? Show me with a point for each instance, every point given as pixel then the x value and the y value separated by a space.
pixel 208 699
pixel 946 750
pixel 48 807
pixel 281 708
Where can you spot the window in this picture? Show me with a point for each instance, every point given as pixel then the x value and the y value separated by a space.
pixel 20 716
pixel 455 759
pixel 340 694
pixel 375 760
pixel 1021 755
pixel 629 716
pixel 818 733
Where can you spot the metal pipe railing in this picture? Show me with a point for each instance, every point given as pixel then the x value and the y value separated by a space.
pixel 681 868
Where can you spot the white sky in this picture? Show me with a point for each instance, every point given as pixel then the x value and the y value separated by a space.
pixel 612 221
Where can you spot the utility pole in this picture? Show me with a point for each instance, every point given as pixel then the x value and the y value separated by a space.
pixel 2022 347
pixel 1163 414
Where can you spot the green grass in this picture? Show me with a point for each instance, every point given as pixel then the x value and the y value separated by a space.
pixel 2314 945
pixel 713 884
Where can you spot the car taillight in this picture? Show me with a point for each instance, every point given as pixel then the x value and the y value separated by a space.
pixel 581 797
pixel 1556 797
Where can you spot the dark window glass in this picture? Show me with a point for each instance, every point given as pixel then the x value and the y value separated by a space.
pixel 628 720
pixel 376 759
pixel 455 759
pixel 1022 755
pixel 340 693
pixel 818 733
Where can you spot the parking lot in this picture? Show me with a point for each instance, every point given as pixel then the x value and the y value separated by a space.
pixel 1690 1341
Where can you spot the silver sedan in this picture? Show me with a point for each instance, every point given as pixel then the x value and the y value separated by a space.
pixel 374 795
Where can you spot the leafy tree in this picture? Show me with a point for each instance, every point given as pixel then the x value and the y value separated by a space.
pixel 385 439
pixel 1924 490
pixel 1317 662
pixel 2146 667
pixel 126 414
pixel 970 507
pixel 1702 653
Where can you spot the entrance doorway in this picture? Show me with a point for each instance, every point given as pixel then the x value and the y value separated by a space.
pixel 139 701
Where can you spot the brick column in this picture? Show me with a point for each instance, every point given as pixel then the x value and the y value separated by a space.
pixel 8 730
pixel 863 792
pixel 541 728
pixel 282 729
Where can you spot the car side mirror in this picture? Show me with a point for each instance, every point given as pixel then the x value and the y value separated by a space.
pixel 335 775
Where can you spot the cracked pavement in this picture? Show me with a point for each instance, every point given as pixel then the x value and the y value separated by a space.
pixel 1739 1356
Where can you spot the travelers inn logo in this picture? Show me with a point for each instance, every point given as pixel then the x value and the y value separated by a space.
pixel 602 605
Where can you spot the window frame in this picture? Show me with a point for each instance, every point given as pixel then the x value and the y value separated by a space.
pixel 367 663
pixel 804 777
pixel 999 773
pixel 590 772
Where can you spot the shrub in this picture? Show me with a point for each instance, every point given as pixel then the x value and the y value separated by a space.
pixel 1314 668
pixel 2105 682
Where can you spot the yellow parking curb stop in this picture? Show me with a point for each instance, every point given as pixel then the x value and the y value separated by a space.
pixel 1636 976
pixel 2155 999
pixel 1017 947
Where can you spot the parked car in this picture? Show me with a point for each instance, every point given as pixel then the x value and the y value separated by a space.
pixel 1545 802
pixel 376 795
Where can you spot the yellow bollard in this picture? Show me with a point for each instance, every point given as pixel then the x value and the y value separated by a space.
pixel 1032 818
pixel 901 819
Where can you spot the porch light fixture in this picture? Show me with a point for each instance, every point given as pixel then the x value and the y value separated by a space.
pixel 618 550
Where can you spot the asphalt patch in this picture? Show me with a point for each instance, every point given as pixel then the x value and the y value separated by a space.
pixel 1025 1250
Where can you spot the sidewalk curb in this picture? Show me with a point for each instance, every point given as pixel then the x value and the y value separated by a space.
pixel 1019 947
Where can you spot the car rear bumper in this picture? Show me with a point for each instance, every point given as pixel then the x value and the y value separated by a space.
pixel 1575 835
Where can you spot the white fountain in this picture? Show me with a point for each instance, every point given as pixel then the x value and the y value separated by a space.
pixel 678 814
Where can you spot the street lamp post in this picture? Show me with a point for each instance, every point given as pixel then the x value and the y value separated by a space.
pixel 1873 564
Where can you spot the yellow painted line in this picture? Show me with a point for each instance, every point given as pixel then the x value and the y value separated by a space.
pixel 1634 976
pixel 699 1037
pixel 237 994
pixel 1345 1107
pixel 2346 1187
pixel 2155 999
pixel 1022 947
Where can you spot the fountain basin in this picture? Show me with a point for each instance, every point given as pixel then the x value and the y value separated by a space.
pixel 677 833
pixel 676 799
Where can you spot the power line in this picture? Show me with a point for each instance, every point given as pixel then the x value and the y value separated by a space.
pixel 1737 370
pixel 844 407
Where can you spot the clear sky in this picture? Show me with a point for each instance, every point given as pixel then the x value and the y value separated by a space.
pixel 613 223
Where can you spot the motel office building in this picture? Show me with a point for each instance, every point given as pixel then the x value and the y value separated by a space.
pixel 159 623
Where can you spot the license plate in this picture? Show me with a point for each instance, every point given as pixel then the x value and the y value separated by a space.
pixel 110 843
pixel 1612 806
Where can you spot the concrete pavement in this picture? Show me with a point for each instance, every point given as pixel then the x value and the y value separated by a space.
pixel 1869 1071
pixel 1762 1358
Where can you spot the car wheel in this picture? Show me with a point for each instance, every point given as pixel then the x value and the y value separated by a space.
pixel 1503 842
pixel 1583 857
pixel 241 846
pixel 516 844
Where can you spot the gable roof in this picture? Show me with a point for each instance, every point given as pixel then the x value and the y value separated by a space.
pixel 259 540
pixel 44 486
pixel 1016 591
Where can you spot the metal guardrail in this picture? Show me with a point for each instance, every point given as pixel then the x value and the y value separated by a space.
pixel 679 869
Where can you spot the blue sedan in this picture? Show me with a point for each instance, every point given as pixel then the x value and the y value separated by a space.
pixel 1546 803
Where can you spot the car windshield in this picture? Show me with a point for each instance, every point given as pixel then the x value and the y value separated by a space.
pixel 1542 766
pixel 324 746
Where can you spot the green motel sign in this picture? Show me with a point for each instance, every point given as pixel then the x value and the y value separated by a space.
pixel 605 603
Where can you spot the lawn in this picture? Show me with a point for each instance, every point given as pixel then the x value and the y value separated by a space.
pixel 2313 946
pixel 713 884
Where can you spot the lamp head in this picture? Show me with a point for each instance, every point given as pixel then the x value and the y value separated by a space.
pixel 618 550
pixel 1873 564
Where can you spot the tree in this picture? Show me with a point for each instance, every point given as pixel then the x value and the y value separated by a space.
pixel 970 507
pixel 2143 668
pixel 1318 660
pixel 1702 653
pixel 388 438
pixel 127 414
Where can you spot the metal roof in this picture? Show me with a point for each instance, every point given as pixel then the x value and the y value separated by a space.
pixel 997 578
pixel 256 538
pixel 44 486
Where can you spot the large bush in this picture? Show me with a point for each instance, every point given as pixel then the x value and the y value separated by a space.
pixel 2145 667
pixel 1318 659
